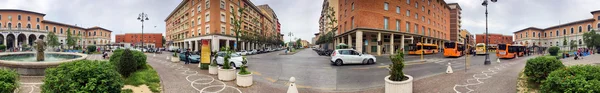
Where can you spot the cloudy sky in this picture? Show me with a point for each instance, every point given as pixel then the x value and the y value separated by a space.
pixel 301 16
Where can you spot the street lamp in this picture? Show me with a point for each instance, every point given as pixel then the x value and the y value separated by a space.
pixel 143 16
pixel 487 39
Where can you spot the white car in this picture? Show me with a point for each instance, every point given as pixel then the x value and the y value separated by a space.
pixel 253 52
pixel 235 61
pixel 349 56
pixel 243 52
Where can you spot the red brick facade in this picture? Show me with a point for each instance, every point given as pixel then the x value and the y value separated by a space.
pixel 134 38
pixel 494 39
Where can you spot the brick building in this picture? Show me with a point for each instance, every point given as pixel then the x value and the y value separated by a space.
pixel 372 26
pixel 455 20
pixel 495 39
pixel 555 35
pixel 22 27
pixel 151 40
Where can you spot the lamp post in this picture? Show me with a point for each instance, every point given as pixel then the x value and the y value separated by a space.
pixel 143 16
pixel 487 39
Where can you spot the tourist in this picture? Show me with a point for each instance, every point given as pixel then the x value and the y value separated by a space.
pixel 186 56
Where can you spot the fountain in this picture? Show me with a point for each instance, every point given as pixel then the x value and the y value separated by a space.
pixel 35 63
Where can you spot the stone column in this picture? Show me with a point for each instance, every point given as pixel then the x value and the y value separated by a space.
pixel 227 43
pixel 378 45
pixel 392 43
pixel 349 41
pixel 402 42
pixel 359 42
pixel 214 43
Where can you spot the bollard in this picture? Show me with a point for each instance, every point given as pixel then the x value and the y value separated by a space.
pixel 449 69
pixel 292 87
pixel 498 60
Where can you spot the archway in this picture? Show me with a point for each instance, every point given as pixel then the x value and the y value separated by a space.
pixel 2 39
pixel 10 41
pixel 32 39
pixel 42 37
pixel 21 39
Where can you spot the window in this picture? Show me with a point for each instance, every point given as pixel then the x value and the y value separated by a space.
pixel 54 29
pixel 28 18
pixel 408 2
pixel 533 34
pixel 207 4
pixel 199 8
pixel 37 20
pixel 423 8
pixel 47 28
pixel 352 5
pixel 397 25
pixel 222 5
pixel 207 18
pixel 397 9
pixel 352 23
pixel 545 34
pixel 551 33
pixel 385 23
pixel 223 18
pixel 564 31
pixel 0 17
pixel 417 5
pixel 407 27
pixel 61 31
pixel 222 30
pixel 557 33
pixel 416 16
pixel 207 30
pixel 423 30
pixel 385 6
pixel 408 13
pixel 19 17
pixel 199 21
pixel 579 29
pixel 423 18
pixel 416 29
pixel 571 30
pixel 589 27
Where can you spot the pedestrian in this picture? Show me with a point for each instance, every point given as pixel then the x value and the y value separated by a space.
pixel 186 56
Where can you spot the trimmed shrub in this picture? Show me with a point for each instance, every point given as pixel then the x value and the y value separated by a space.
pixel 396 73
pixel 2 47
pixel 537 69
pixel 573 79
pixel 553 50
pixel 8 80
pixel 91 48
pixel 140 58
pixel 82 76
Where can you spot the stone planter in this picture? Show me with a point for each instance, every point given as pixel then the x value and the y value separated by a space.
pixel 244 80
pixel 213 70
pixel 405 86
pixel 226 74
pixel 174 59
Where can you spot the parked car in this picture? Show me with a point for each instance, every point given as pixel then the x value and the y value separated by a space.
pixel 243 52
pixel 193 57
pixel 349 56
pixel 253 51
pixel 235 61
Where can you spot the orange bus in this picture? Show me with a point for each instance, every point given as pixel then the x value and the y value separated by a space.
pixel 419 48
pixel 509 51
pixel 453 49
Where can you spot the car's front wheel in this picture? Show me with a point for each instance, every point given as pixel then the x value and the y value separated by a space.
pixel 338 62
pixel 233 64
pixel 370 61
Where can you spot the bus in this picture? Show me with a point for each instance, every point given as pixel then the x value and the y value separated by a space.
pixel 419 48
pixel 480 48
pixel 453 49
pixel 509 51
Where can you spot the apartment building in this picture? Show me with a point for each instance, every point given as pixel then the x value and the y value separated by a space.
pixel 23 27
pixel 151 40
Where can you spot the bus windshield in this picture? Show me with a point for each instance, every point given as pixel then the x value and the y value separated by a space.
pixel 501 46
pixel 450 45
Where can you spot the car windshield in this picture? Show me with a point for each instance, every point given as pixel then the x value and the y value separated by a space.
pixel 234 55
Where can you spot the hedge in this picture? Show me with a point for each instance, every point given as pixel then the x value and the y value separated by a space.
pixel 82 76
pixel 8 80
pixel 573 79
pixel 91 48
pixel 128 64
pixel 553 50
pixel 537 69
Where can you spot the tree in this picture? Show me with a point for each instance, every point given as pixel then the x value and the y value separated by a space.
pixel 565 41
pixel 237 23
pixel 591 39
pixel 573 44
pixel 52 40
pixel 70 39
pixel 332 24
pixel 164 40
pixel 298 43
pixel 79 38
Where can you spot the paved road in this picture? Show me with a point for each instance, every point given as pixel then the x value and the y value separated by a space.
pixel 316 72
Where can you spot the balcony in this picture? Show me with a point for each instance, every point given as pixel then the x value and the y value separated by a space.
pixel 23 29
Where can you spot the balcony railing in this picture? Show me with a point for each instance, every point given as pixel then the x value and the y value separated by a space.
pixel 23 29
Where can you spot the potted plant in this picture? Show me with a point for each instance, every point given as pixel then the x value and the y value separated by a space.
pixel 397 82
pixel 175 58
pixel 212 68
pixel 244 77
pixel 226 72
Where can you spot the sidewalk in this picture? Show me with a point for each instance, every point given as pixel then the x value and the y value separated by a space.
pixel 495 78
pixel 590 59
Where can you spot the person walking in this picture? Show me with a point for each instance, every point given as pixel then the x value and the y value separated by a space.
pixel 186 56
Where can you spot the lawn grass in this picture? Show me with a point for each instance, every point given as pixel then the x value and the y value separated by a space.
pixel 147 76
pixel 524 86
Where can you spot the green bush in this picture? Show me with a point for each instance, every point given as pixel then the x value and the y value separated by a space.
pixel 537 69
pixel 553 50
pixel 8 80
pixel 82 76
pixel 147 76
pixel 140 58
pixel 397 66
pixel 573 79
pixel 243 70
pixel 91 48
pixel 2 47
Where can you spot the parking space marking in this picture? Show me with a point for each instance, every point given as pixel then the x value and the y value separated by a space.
pixel 385 66
pixel 256 73
pixel 360 68
pixel 270 79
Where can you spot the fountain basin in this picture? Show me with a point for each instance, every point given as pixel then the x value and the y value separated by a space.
pixel 25 63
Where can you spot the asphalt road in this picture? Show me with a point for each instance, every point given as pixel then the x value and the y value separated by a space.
pixel 316 72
